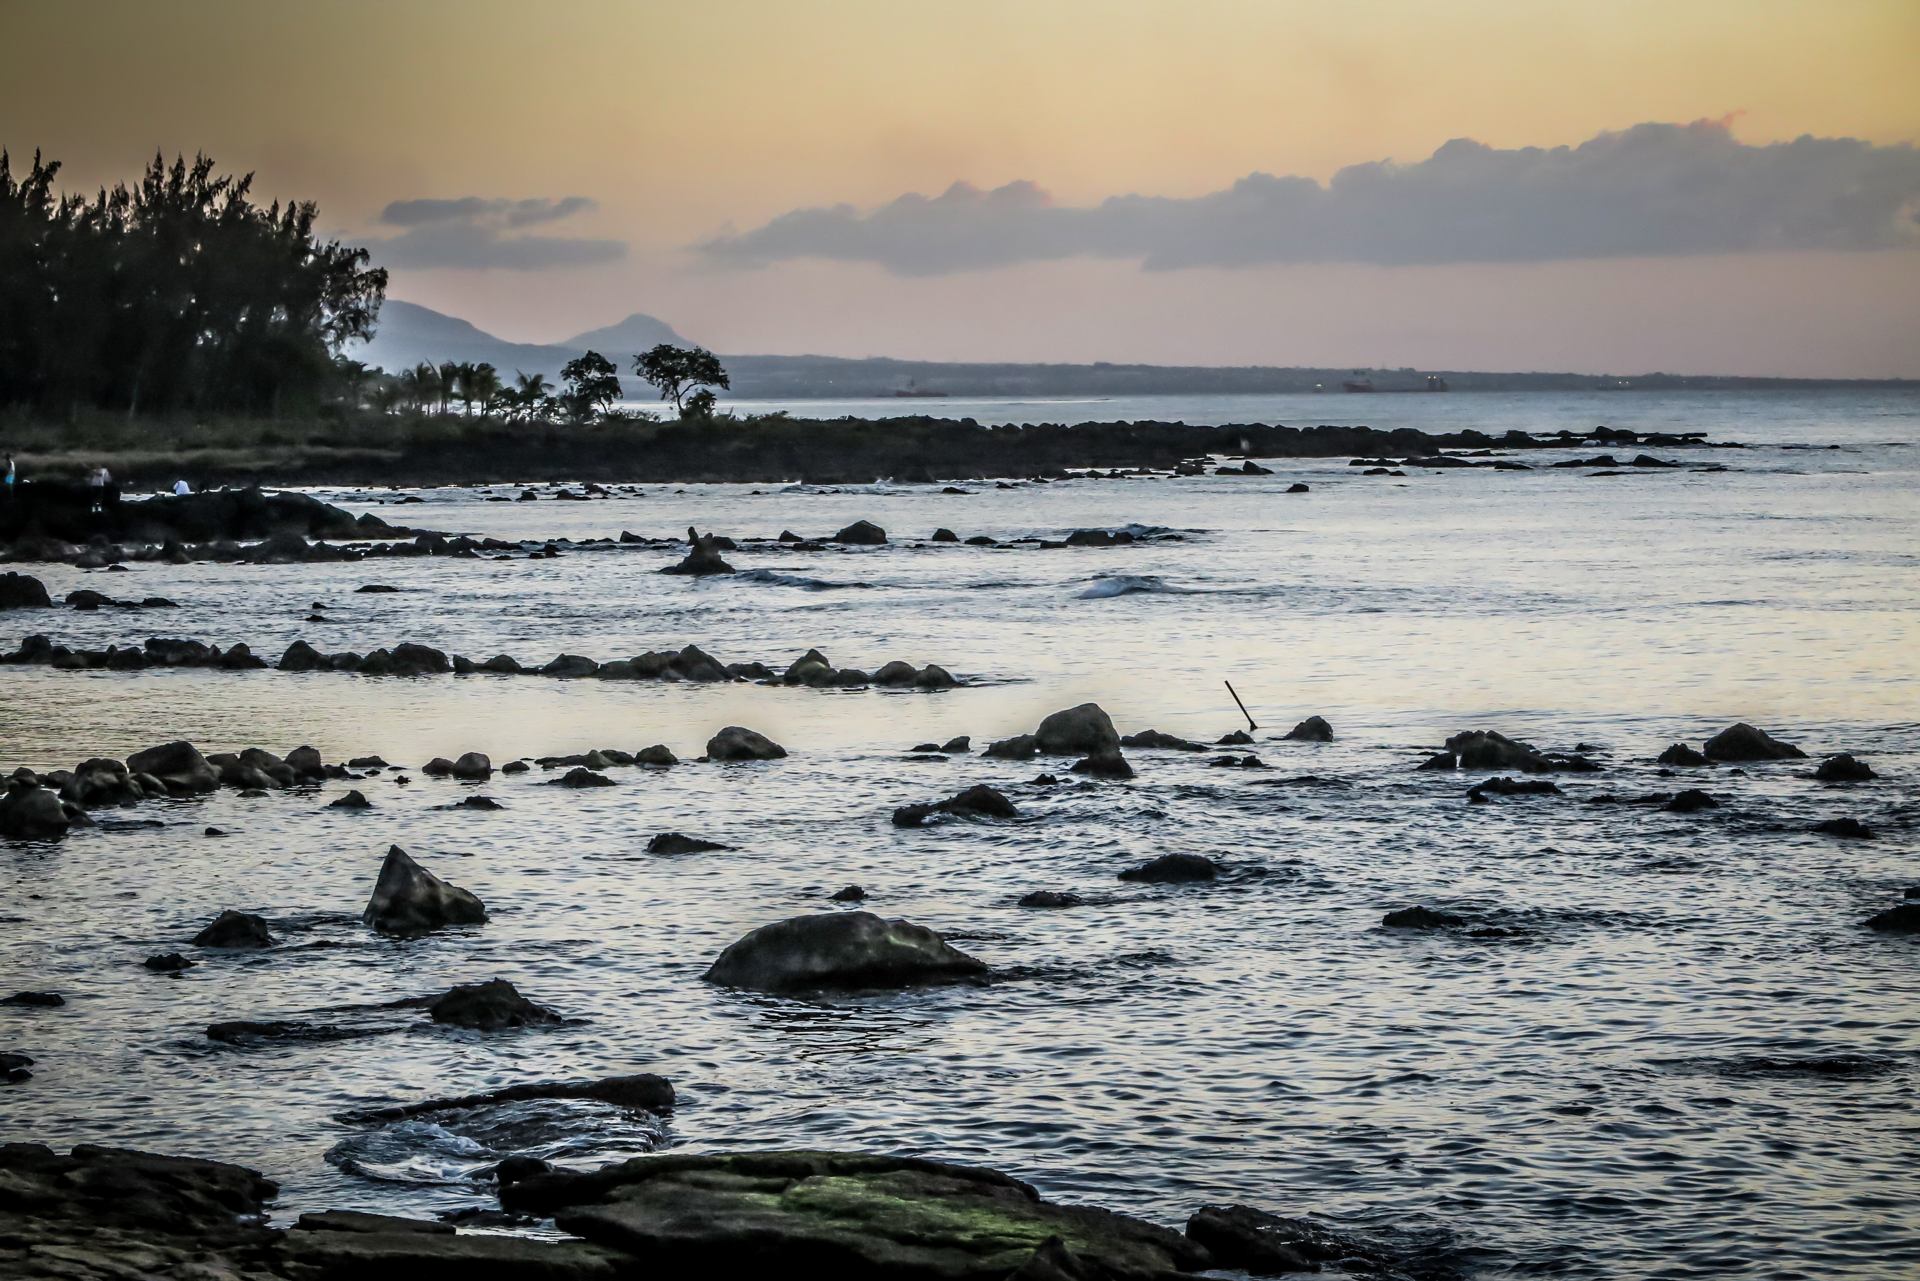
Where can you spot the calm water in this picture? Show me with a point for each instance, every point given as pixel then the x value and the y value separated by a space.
pixel 1616 1089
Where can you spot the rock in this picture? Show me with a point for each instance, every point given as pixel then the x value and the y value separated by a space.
pixel 1154 740
pixel 1314 729
pixel 1299 487
pixel 471 767
pixel 408 899
pixel 735 743
pixel 36 1000
pixel 358 1221
pixel 1242 1238
pixel 570 666
pixel 895 673
pixel 14 1068
pixel 703 557
pixel 515 767
pixel 944 535
pixel 676 843
pixel 516 1168
pixel 1487 749
pixel 658 755
pixel 581 776
pixel 503 665
pixel 1690 801
pixel 957 746
pixel 1421 918
pixel 840 950
pixel 811 668
pixel 1239 738
pixel 1051 898
pixel 1742 742
pixel 1844 768
pixel 488 1007
pixel 642 1092
pixel 1500 785
pixel 1847 828
pixel 233 929
pixel 366 762
pixel 353 800
pixel 1902 918
pixel 33 814
pixel 1110 764
pixel 1173 869
pixel 476 803
pixel 23 591
pixel 863 533
pixel 978 801
pixel 178 765
pixel 1085 730
pixel 847 1215
pixel 1681 754
pixel 1018 748
pixel 848 894
pixel 167 963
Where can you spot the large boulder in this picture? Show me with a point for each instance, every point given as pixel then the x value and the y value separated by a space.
pixel 1085 730
pixel 735 743
pixel 408 899
pixel 33 814
pixel 862 533
pixel 1314 729
pixel 238 930
pixel 1844 768
pixel 703 556
pixel 1744 742
pixel 840 950
pixel 23 591
pixel 846 1215
pixel 178 765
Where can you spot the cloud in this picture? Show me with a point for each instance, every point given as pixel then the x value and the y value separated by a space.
pixel 1652 190
pixel 488 232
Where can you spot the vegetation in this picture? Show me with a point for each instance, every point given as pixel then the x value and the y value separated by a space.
pixel 677 371
pixel 178 293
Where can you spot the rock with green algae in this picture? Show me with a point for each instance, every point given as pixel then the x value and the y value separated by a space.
pixel 846 1215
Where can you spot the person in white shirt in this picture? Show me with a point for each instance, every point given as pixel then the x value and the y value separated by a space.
pixel 181 488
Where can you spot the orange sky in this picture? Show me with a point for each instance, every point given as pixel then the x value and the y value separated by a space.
pixel 680 120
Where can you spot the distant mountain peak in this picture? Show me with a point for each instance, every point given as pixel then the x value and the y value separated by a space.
pixel 635 334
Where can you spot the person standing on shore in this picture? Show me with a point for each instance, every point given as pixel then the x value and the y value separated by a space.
pixel 181 489
pixel 97 481
pixel 7 491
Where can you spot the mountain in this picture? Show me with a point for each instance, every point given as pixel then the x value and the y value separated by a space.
pixel 408 334
pixel 637 333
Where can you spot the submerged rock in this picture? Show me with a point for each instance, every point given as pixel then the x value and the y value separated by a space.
pixel 676 843
pixel 642 1091
pixel 233 929
pixel 847 1215
pixel 1421 918
pixel 703 557
pixel 1171 869
pixel 488 1007
pixel 1681 754
pixel 35 1000
pixel 1847 828
pixel 1051 898
pixel 848 894
pixel 1238 738
pixel 581 776
pixel 1154 740
pixel 1107 764
pixel 353 800
pixel 1690 801
pixel 736 743
pixel 1743 742
pixel 408 899
pixel 1242 1238
pixel 843 950
pixel 1844 768
pixel 1902 918
pixel 978 801
pixel 167 963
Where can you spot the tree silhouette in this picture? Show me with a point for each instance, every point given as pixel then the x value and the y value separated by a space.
pixel 592 385
pixel 677 371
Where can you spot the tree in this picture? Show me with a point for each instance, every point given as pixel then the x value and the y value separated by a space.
pixel 528 393
pixel 479 384
pixel 591 386
pixel 677 371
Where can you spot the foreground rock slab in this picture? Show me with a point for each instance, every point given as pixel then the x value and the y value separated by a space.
pixel 846 1215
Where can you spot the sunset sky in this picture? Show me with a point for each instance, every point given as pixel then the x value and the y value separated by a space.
pixel 544 169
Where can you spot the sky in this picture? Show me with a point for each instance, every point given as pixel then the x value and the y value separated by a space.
pixel 1707 186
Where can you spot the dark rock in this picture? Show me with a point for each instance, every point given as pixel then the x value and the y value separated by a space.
pixel 1172 869
pixel 1298 487
pixel 957 746
pixel 178 765
pixel 1843 768
pixel 1242 1238
pixel 34 814
pixel 1051 898
pixel 703 557
pixel 847 1215
pixel 978 801
pixel 167 963
pixel 1681 754
pixel 1847 828
pixel 353 800
pixel 1691 800
pixel 945 536
pixel 1742 742
pixel 840 950
pixel 570 666
pixel 1238 738
pixel 1902 918
pixel 283 1031
pixel 863 533
pixel 515 767
pixel 1314 729
pixel 1500 785
pixel 641 1092
pixel 1085 730
pixel 848 894
pixel 1154 740
pixel 488 1007
pixel 408 899
pixel 1107 764
pixel 1421 918
pixel 735 743
pixel 23 591
pixel 1490 750
pixel 657 755
pixel 676 843
pixel 580 776
pixel 14 1068
pixel 233 929
pixel 39 1000
pixel 476 803
pixel 1018 748
pixel 358 1221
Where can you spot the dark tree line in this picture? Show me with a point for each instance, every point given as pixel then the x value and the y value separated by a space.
pixel 179 293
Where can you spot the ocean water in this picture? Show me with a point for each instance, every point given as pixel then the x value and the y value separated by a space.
pixel 1681 1056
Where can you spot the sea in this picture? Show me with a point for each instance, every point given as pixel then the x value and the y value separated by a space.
pixel 1666 1047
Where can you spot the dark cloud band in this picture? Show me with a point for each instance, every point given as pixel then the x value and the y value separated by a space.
pixel 1652 190
pixel 484 232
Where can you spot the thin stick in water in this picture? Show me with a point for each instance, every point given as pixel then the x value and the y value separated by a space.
pixel 1243 707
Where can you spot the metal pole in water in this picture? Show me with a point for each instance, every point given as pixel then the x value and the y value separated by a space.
pixel 1243 707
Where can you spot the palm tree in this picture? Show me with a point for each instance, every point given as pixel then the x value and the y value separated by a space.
pixel 479 384
pixel 449 380
pixel 386 394
pixel 528 391
pixel 422 386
